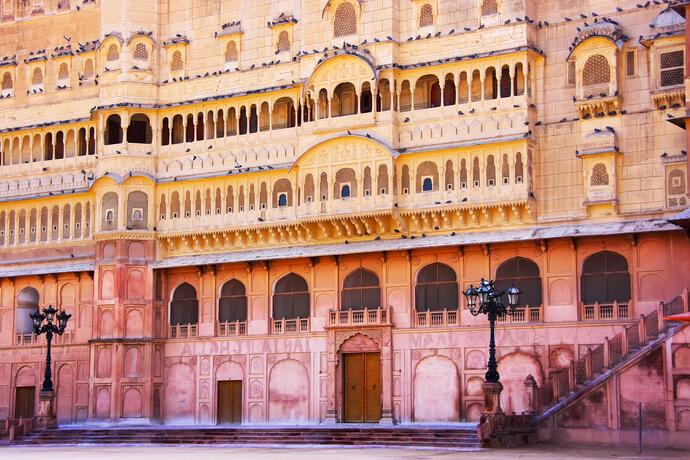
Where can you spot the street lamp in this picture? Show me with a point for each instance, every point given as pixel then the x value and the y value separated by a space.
pixel 486 299
pixel 49 328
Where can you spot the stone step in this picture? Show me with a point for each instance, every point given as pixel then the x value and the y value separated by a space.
pixel 406 437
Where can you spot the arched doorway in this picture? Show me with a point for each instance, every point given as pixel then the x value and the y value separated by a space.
pixel 361 380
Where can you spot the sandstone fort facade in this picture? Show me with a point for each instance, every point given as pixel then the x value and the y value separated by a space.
pixel 267 213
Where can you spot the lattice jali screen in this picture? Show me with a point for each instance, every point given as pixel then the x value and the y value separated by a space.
pixel 283 41
pixel 176 64
pixel 599 175
pixel 489 7
pixel 7 81
pixel 140 52
pixel 426 16
pixel 671 68
pixel 231 52
pixel 596 71
pixel 345 20
pixel 113 53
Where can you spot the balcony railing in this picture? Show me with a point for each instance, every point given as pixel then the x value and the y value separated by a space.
pixel 229 328
pixel 183 331
pixel 290 326
pixel 605 311
pixel 32 339
pixel 526 314
pixel 438 318
pixel 367 317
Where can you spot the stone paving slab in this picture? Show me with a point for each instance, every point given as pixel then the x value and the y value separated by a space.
pixel 318 452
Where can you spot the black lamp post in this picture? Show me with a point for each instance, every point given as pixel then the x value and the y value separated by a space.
pixel 49 328
pixel 490 304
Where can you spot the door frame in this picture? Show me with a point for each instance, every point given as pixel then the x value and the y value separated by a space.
pixel 342 340
pixel 14 402
pixel 241 404
pixel 342 385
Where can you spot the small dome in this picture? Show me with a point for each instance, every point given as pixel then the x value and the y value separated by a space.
pixel 668 18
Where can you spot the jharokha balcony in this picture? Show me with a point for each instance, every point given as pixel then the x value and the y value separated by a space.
pixel 367 317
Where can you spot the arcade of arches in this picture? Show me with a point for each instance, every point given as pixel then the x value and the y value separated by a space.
pixel 279 341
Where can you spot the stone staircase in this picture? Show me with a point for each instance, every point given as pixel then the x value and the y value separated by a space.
pixel 602 362
pixel 567 386
pixel 453 438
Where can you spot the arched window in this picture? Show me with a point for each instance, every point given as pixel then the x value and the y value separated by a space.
pixel 282 200
pixel 605 278
pixel 524 275
pixel 427 185
pixel 489 7
pixel 436 288
pixel 345 22
pixel 345 191
pixel 88 69
pixel 176 63
pixel 7 81
pixel 184 308
pixel 113 53
pixel 63 73
pixel 113 130
pixel 361 290
pixel 426 16
pixel 231 52
pixel 599 175
pixel 291 298
pixel 139 129
pixel 232 305
pixel 596 71
pixel 37 78
pixel 27 303
pixel 283 42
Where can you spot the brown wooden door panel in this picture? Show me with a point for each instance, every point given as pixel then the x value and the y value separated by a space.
pixel 229 402
pixel 362 387
pixel 354 387
pixel 24 402
pixel 373 387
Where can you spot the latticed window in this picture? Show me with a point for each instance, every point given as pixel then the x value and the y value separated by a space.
pixel 596 71
pixel 140 52
pixel 345 20
pixel 489 7
pixel 184 308
pixel 63 74
pixel 426 16
pixel 231 52
pixel 291 298
pixel 232 305
pixel 283 41
pixel 176 63
pixel 605 278
pixel 599 175
pixel 437 288
pixel 361 290
pixel 7 81
pixel 113 53
pixel 671 68
pixel 524 275
pixel 37 78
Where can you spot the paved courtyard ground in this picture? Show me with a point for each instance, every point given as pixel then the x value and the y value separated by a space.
pixel 200 453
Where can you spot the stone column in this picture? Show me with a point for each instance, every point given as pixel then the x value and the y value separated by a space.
pixel 532 395
pixel 47 417
pixel 492 398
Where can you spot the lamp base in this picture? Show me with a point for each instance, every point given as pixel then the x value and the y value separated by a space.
pixel 46 417
pixel 492 398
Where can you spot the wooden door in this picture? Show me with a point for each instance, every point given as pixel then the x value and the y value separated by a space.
pixel 362 385
pixel 24 402
pixel 230 402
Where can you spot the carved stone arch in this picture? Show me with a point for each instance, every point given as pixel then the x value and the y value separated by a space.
pixel 352 68
pixel 362 337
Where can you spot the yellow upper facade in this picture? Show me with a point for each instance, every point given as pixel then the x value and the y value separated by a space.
pixel 210 125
